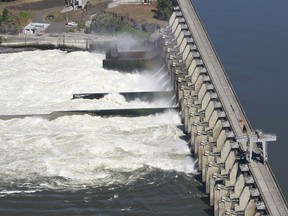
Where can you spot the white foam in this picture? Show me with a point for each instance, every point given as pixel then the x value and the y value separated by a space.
pixel 44 81
pixel 5 192
pixel 83 150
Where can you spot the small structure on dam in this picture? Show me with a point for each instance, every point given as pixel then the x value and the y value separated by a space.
pixel 232 157
pixel 138 56
pixel 35 28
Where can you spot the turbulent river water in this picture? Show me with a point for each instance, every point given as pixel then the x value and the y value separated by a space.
pixel 84 165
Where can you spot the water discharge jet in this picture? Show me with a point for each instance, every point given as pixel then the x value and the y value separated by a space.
pixel 132 112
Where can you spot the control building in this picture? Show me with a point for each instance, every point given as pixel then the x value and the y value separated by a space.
pixel 76 3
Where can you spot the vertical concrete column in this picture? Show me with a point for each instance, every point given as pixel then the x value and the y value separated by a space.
pixel 183 103
pixel 196 72
pixel 185 40
pixel 198 121
pixel 169 35
pixel 190 108
pixel 228 179
pixel 177 70
pixel 238 187
pixel 217 115
pixel 205 88
pixel 222 204
pixel 208 163
pixel 243 199
pixel 211 118
pixel 207 150
pixel 178 19
pixel 185 48
pixel 196 62
pixel 176 53
pixel 193 108
pixel 170 41
pixel 218 194
pixel 246 202
pixel 222 138
pixel 225 149
pixel 203 132
pixel 230 182
pixel 178 34
pixel 211 168
pixel 221 124
pixel 198 104
pixel 250 208
pixel 171 75
pixel 211 154
pixel 191 111
pixel 181 84
pixel 191 86
pixel 208 97
pixel 212 186
pixel 220 159
pixel 201 79
pixel 172 19
pixel 188 52
pixel 230 161
pixel 173 54
pixel 178 64
pixel 212 104
pixel 201 136
pixel 216 200
pixel 186 111
pixel 184 92
pixel 194 118
pixel 181 35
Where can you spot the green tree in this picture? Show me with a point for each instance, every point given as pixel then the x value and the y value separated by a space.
pixel 164 9
pixel 5 14
pixel 106 23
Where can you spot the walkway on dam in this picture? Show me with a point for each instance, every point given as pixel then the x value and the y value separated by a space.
pixel 263 176
pixel 73 40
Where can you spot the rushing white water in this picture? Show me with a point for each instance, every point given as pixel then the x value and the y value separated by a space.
pixel 82 150
pixel 44 81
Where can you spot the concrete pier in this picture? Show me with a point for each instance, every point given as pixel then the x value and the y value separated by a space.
pixel 221 137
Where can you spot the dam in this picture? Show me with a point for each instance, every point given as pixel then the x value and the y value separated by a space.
pixel 237 176
pixel 232 156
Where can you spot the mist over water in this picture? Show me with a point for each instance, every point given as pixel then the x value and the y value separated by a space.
pixel 84 164
pixel 44 81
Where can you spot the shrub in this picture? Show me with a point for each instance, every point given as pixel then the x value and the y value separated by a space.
pixel 164 9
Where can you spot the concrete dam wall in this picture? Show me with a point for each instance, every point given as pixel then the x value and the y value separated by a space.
pixel 232 157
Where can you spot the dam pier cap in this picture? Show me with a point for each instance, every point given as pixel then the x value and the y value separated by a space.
pixel 232 156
